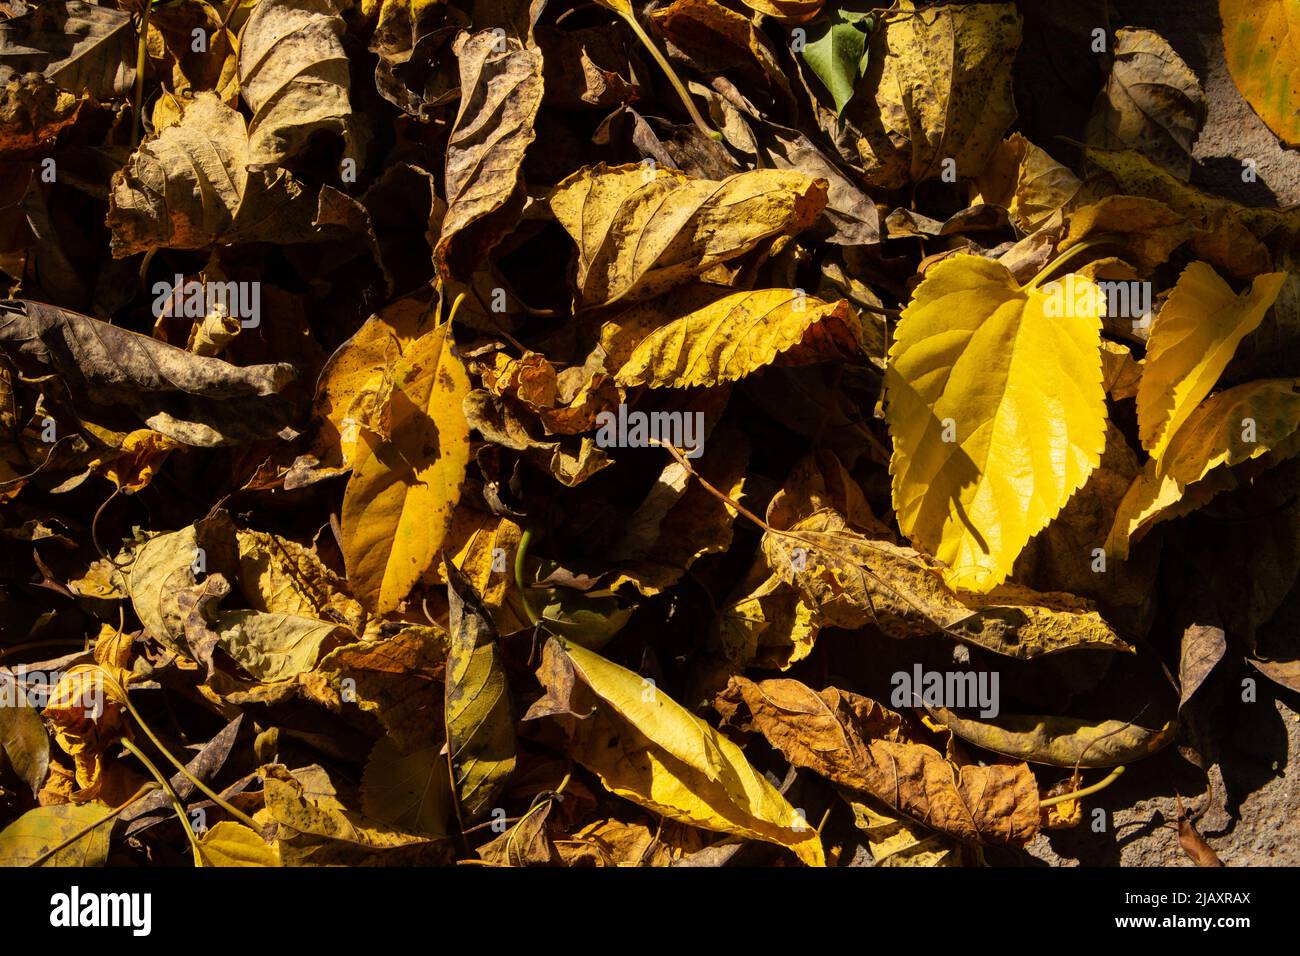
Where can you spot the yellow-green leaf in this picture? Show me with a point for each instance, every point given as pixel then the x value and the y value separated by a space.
pixel 400 498
pixel 996 410
pixel 275 647
pixel 1192 340
pixel 38 831
pixel 480 728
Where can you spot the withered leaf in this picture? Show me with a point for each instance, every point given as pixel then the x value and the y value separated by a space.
pixel 293 72
pixel 855 742
pixel 501 93
pixel 80 47
pixel 189 398
pixel 939 85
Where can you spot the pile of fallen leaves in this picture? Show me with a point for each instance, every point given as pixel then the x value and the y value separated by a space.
pixel 614 433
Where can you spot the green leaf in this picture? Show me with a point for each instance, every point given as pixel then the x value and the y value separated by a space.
pixel 836 51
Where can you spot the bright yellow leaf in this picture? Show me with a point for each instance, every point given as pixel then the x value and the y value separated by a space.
pixel 647 747
pixel 1261 39
pixel 996 409
pixel 399 502
pixel 737 335
pixel 233 844
pixel 1192 340
pixel 1234 426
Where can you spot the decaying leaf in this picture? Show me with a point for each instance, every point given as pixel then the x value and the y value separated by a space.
pixel 858 744
pixel 293 73
pixel 188 398
pixel 1152 103
pixel 501 82
pixel 850 581
pixel 78 46
pixel 940 92
pixel 33 835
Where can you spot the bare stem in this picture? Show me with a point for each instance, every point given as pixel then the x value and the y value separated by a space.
pixel 141 57
pixel 176 801
pixel 1086 791
pixel 629 17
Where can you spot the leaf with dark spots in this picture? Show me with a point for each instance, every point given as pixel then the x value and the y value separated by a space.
pixel 105 369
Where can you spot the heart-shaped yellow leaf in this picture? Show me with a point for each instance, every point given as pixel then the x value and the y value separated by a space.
pixel 996 409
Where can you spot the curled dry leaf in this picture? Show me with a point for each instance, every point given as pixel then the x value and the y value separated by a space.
pixel 294 75
pixel 1062 741
pixel 186 397
pixel 502 92
pixel 850 581
pixel 898 841
pixel 183 189
pixel 856 743
pixel 1152 103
